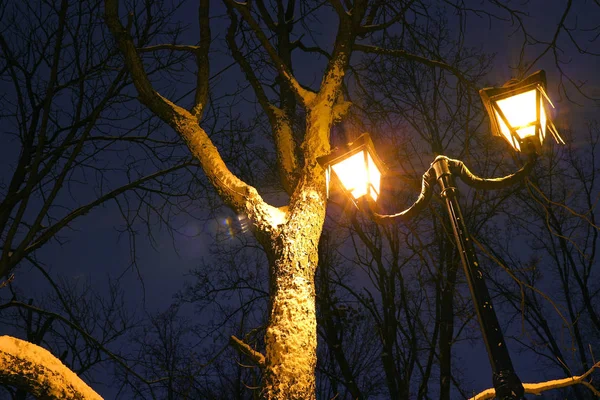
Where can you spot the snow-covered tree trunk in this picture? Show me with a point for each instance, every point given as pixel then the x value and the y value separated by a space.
pixel 291 336
pixel 36 370
pixel 289 234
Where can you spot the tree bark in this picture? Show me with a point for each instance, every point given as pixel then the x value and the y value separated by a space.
pixel 447 323
pixel 291 335
pixel 37 371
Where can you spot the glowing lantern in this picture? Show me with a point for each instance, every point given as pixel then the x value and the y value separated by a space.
pixel 518 112
pixel 357 168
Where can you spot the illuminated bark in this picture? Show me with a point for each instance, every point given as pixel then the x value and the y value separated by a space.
pixel 291 337
pixel 290 235
pixel 37 371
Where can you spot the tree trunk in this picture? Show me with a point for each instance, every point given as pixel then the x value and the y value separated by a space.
pixel 447 327
pixel 35 370
pixel 291 336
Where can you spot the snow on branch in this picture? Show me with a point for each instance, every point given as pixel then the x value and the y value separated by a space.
pixel 240 196
pixel 280 123
pixel 245 348
pixel 37 371
pixel 538 388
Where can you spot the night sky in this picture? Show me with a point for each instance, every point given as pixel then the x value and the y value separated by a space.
pixel 95 249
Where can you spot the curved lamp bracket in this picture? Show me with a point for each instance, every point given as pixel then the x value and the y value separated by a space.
pixel 422 201
pixel 457 168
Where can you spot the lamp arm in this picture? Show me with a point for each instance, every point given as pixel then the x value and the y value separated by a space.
pixel 422 201
pixel 457 167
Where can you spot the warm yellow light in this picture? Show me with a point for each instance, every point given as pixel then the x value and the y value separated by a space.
pixel 356 167
pixel 357 177
pixel 518 111
pixel 374 178
pixel 521 113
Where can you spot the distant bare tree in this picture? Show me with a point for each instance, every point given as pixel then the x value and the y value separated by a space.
pixel 69 141
pixel 76 320
pixel 73 138
pixel 553 293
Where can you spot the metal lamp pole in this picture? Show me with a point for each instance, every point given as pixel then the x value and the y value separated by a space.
pixel 505 380
pixel 443 171
pixel 518 112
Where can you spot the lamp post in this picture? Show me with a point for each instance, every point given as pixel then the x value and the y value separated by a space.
pixel 518 113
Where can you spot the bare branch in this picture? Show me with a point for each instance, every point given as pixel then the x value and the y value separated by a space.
pixel 54 229
pixel 303 95
pixel 75 327
pixel 553 42
pixel 311 49
pixel 539 388
pixel 203 72
pixel 245 65
pixel 171 47
pixel 244 348
pixel 232 190
pixel 264 13
pixel 280 123
pixel 161 106
pixel 413 57
pixel 366 29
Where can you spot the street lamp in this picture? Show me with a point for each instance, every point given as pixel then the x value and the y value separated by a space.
pixel 518 113
pixel 356 167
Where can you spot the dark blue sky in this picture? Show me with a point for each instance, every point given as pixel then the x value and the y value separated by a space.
pixel 93 251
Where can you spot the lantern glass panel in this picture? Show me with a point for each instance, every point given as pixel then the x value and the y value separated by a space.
pixel 374 178
pixel 356 177
pixel 543 118
pixel 521 112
